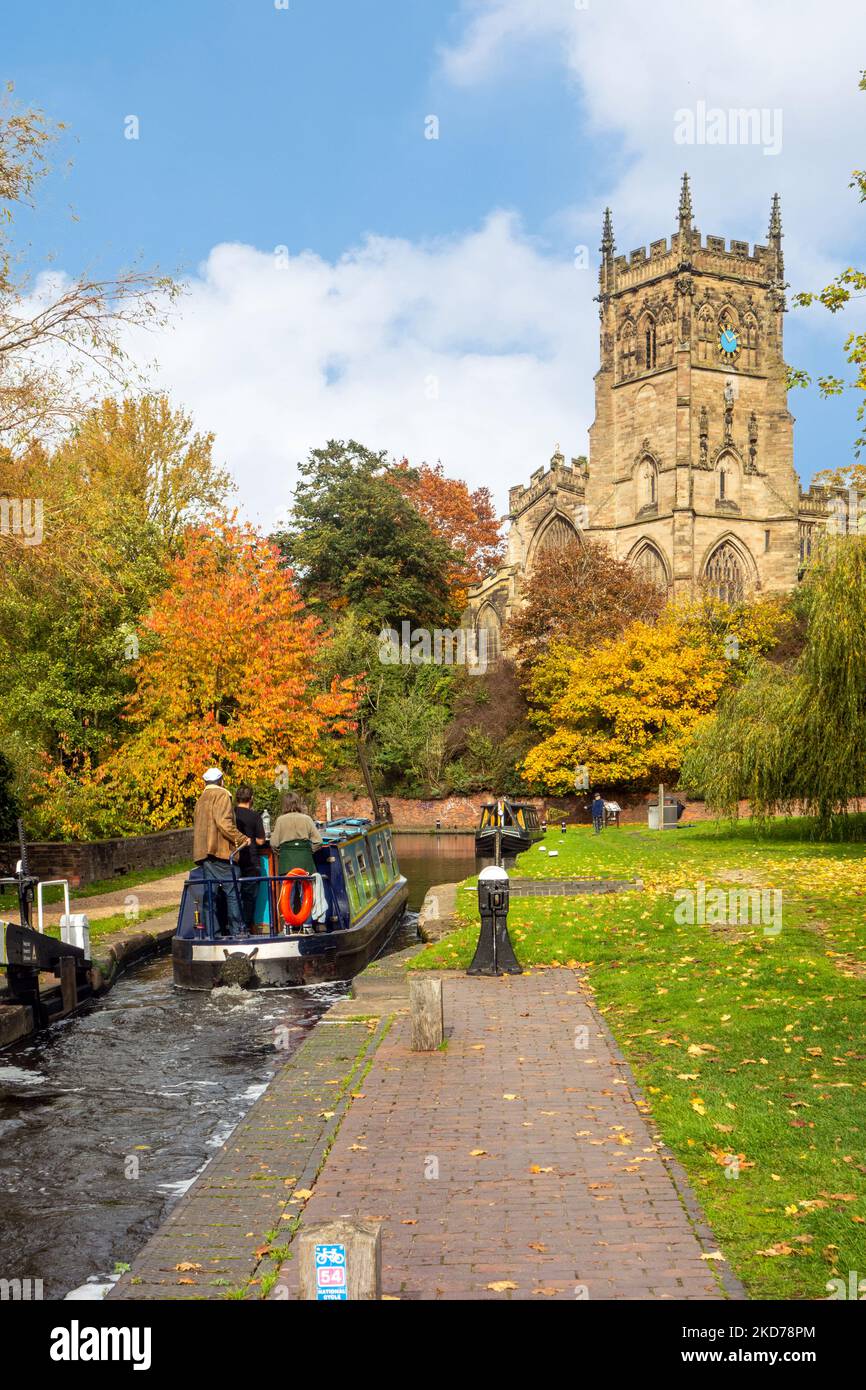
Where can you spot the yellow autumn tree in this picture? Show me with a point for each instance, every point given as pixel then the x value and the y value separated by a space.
pixel 627 710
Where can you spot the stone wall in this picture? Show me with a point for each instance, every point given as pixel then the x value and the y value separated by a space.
pixel 88 862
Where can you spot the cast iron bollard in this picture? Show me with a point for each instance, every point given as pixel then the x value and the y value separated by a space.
pixel 494 954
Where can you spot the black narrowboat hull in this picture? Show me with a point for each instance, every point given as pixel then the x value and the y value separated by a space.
pixel 511 841
pixel 299 959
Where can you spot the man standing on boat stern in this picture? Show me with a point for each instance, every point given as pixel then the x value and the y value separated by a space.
pixel 214 837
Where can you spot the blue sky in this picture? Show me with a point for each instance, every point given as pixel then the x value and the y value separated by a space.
pixel 430 303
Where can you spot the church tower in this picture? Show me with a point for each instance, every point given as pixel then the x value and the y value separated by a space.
pixel 691 468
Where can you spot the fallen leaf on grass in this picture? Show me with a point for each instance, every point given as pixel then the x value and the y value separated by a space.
pixel 780 1248
pixel 713 1255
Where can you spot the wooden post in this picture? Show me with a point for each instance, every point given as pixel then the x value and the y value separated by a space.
pixel 68 984
pixel 428 1019
pixel 349 1263
pixel 661 805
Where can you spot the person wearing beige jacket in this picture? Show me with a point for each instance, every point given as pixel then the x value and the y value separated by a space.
pixel 214 837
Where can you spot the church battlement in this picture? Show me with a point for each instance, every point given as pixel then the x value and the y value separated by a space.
pixel 570 476
pixel 712 255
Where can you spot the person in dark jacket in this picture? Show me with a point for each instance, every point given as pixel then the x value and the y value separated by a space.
pixel 597 809
pixel 249 859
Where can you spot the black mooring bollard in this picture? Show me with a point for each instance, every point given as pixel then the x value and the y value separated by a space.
pixel 494 954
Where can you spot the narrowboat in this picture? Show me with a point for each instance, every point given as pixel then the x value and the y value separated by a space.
pixel 511 825
pixel 323 919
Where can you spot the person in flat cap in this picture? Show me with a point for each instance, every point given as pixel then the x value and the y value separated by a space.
pixel 214 837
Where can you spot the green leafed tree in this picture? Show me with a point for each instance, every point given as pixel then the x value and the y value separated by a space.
pixel 355 541
pixel 847 285
pixel 795 733
pixel 114 497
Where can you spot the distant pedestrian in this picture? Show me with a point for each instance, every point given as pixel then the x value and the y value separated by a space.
pixel 597 809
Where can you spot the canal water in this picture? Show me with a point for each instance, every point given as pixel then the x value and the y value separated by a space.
pixel 106 1119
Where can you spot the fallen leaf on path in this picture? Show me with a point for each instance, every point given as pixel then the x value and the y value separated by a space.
pixel 501 1286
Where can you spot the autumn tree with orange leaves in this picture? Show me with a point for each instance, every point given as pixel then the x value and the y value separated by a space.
pixel 226 676
pixel 466 520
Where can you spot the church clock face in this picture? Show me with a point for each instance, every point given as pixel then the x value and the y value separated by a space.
pixel 729 344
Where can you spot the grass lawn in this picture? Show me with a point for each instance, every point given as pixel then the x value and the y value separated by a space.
pixel 750 1046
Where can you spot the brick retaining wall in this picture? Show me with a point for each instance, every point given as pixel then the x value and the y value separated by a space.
pixel 89 861
pixel 464 812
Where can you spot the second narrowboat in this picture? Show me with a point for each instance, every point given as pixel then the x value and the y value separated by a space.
pixel 513 825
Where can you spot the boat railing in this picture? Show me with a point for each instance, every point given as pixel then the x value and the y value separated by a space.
pixel 204 893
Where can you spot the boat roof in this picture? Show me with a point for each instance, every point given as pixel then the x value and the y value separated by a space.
pixel 508 801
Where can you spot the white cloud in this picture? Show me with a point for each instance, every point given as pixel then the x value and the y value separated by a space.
pixel 480 350
pixel 477 350
pixel 634 66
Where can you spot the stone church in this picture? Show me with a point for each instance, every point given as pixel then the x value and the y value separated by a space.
pixel 691 454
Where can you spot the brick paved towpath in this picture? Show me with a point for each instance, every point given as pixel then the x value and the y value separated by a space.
pixel 514 1159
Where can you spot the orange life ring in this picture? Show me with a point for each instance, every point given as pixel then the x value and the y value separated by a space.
pixel 287 912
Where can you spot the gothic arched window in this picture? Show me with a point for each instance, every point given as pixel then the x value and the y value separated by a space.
pixel 724 574
pixel 649 564
pixel 650 345
pixel 489 635
pixel 557 534
pixel 665 337
pixel 628 350
pixel 706 334
pixel 749 342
